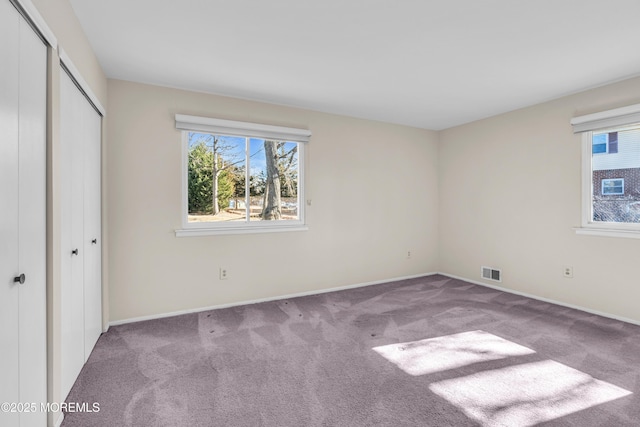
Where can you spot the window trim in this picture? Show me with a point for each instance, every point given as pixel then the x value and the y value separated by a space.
pixel 602 193
pixel 235 128
pixel 607 119
pixel 588 226
pixel 188 124
pixel 611 119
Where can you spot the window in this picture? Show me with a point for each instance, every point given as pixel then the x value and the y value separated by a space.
pixel 611 172
pixel 612 187
pixel 605 143
pixel 610 203
pixel 241 177
pixel 599 144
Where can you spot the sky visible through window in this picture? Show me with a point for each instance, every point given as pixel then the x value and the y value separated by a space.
pixel 237 150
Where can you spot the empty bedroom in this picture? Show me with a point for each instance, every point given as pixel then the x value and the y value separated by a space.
pixel 285 213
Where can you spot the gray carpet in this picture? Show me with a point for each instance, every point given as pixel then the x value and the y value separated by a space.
pixel 430 351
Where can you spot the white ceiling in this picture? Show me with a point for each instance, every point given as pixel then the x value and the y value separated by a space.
pixel 424 63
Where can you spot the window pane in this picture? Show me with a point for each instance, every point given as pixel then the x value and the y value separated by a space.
pixel 613 142
pixel 216 178
pixel 236 172
pixel 289 180
pixel 257 177
pixel 616 176
pixel 273 180
pixel 612 186
pixel 599 143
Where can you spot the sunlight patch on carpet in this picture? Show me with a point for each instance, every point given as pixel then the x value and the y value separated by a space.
pixel 527 394
pixel 449 352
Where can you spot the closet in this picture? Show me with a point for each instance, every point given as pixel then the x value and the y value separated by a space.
pixel 23 352
pixel 81 293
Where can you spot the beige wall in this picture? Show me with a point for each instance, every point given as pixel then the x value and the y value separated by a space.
pixel 510 193
pixel 374 196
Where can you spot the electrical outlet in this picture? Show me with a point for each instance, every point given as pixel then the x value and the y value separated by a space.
pixel 408 254
pixel 567 272
pixel 223 274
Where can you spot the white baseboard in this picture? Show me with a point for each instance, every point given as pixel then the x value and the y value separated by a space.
pixel 360 285
pixel 538 298
pixel 259 300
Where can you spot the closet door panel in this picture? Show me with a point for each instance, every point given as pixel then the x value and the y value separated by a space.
pixel 77 226
pixel 67 316
pixel 9 291
pixel 32 223
pixel 72 296
pixel 92 230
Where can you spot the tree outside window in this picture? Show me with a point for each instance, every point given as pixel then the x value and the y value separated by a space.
pixel 232 178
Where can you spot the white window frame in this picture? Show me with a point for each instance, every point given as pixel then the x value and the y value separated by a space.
pixel 604 180
pixel 186 124
pixel 605 121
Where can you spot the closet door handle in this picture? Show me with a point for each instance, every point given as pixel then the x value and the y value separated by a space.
pixel 20 279
pixel 94 241
pixel 74 252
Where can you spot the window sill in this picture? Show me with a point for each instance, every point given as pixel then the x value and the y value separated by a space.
pixel 608 232
pixel 194 232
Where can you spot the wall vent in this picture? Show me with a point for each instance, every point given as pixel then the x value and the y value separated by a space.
pixel 489 273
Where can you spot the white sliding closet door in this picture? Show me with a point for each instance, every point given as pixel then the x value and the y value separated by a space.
pixel 72 294
pixel 33 226
pixel 23 376
pixel 9 291
pixel 80 134
pixel 92 231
